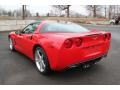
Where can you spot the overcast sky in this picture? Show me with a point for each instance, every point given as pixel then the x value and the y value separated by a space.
pixel 45 8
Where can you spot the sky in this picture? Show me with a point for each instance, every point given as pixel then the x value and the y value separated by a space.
pixel 43 9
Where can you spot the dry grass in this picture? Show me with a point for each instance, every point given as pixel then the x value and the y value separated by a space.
pixel 78 20
pixel 75 19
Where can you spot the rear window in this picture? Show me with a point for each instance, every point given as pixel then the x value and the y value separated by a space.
pixel 63 28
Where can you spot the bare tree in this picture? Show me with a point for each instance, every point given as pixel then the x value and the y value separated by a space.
pixel 75 14
pixel 55 11
pixel 105 11
pixel 3 11
pixel 23 11
pixel 9 13
pixel 113 11
pixel 110 11
pixel 63 7
pixel 117 9
pixel 94 9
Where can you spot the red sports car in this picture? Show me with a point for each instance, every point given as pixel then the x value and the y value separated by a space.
pixel 55 45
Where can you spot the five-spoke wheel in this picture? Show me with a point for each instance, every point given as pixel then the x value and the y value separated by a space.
pixel 41 60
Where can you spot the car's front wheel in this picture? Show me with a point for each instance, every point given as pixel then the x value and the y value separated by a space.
pixel 41 61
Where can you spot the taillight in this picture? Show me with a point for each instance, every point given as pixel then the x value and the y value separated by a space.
pixel 107 36
pixel 78 42
pixel 68 43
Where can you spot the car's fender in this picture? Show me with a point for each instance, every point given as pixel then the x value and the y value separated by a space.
pixel 50 49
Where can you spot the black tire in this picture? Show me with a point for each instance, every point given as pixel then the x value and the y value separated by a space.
pixel 47 69
pixel 116 22
pixel 112 23
pixel 11 44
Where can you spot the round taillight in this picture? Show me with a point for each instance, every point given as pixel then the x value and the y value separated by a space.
pixel 78 42
pixel 68 43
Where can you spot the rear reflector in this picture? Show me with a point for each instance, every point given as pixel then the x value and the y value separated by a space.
pixel 107 36
pixel 68 43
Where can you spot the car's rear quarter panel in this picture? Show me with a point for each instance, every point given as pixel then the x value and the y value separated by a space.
pixel 51 45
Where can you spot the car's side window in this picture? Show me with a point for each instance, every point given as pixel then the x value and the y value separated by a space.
pixel 44 28
pixel 30 28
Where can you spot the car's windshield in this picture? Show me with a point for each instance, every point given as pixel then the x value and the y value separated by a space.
pixel 63 28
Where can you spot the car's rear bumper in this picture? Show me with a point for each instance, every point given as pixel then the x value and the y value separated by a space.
pixel 67 57
pixel 68 63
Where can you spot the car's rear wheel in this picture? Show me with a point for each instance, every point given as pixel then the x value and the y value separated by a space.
pixel 11 45
pixel 41 61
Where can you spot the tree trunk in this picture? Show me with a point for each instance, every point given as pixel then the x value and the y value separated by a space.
pixel 94 11
pixel 105 12
pixel 110 11
pixel 114 10
pixel 68 10
pixel 23 12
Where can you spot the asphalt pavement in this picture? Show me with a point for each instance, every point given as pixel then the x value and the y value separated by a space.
pixel 16 68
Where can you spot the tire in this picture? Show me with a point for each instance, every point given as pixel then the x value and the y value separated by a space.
pixel 112 23
pixel 116 22
pixel 41 61
pixel 11 45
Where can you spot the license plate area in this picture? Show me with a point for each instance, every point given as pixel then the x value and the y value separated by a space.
pixel 93 49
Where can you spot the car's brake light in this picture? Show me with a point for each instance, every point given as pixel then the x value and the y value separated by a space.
pixel 78 42
pixel 68 43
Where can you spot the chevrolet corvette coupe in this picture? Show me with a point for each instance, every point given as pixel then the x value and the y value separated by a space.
pixel 57 45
